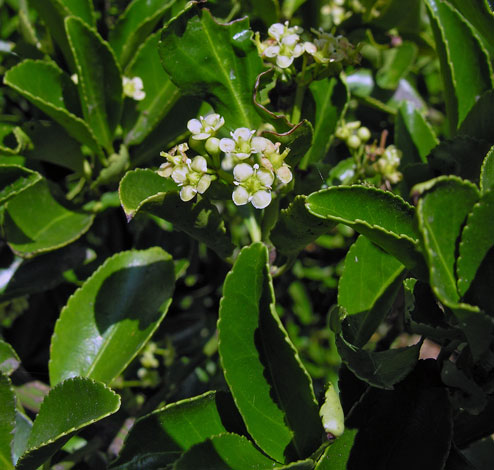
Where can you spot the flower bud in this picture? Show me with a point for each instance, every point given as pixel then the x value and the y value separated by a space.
pixel 353 142
pixel 364 134
pixel 213 146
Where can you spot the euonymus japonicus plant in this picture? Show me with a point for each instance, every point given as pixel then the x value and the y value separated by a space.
pixel 295 185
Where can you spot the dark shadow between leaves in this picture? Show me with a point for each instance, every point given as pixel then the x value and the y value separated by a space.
pixel 134 293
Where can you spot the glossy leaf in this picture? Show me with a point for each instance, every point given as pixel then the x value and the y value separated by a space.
pixel 413 135
pixel 9 360
pixel 331 97
pixel 36 222
pixel 461 156
pixel 100 80
pixel 138 185
pixel 297 227
pixel 487 172
pixel 51 143
pixel 160 437
pixel 479 122
pixel 7 421
pixel 397 62
pixel 53 13
pixel 161 93
pixel 465 65
pixel 23 426
pixel 386 219
pixel 306 464
pixel 48 88
pixel 408 426
pixel 69 407
pixel 381 369
pixel 481 17
pixel 134 26
pixel 441 214
pixel 476 241
pixel 39 274
pixel 201 220
pixel 218 62
pixel 224 452
pixel 111 317
pixel 368 287
pixel 261 366
pixel 336 455
pixel 14 179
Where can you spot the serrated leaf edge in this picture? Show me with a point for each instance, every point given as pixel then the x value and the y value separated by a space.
pixel 46 103
pixel 71 430
pixel 94 274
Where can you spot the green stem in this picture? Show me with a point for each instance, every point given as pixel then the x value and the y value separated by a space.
pixel 299 94
pixel 253 228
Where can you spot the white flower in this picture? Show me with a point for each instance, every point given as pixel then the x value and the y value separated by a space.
pixel 284 44
pixel 239 146
pixel 205 127
pixel 253 185
pixel 272 159
pixel 133 88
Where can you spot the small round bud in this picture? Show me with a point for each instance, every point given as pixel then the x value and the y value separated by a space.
pixel 213 146
pixel 353 142
pixel 364 134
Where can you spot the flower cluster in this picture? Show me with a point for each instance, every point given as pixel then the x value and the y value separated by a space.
pixel 256 163
pixel 353 134
pixel 285 44
pixel 388 164
pixel 190 174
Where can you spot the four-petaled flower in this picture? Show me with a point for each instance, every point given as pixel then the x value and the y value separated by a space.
pixel 239 147
pixel 253 185
pixel 284 44
pixel 133 88
pixel 272 159
pixel 205 127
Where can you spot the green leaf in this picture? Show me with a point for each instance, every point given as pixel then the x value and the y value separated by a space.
pixel 161 93
pixel 100 80
pixel 9 360
pixel 413 135
pixel 13 141
pixel 367 287
pixel 160 437
pixel 479 122
pixel 408 427
pixel 36 222
pixel 481 17
pixel 441 213
pixel 7 422
pixel 297 227
pixel 15 179
pixel 69 407
pixel 261 366
pixel 306 464
pixel 111 317
pixel 53 13
pixel 397 62
pixel 476 241
pixel 52 91
pixel 487 172
pixel 23 426
pixel 138 185
pixel 51 143
pixel 134 26
pixel 200 220
pixel 461 156
pixel 218 62
pixel 381 369
pixel 39 274
pixel 336 455
pixel 331 98
pixel 386 219
pixel 224 452
pixel 465 66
